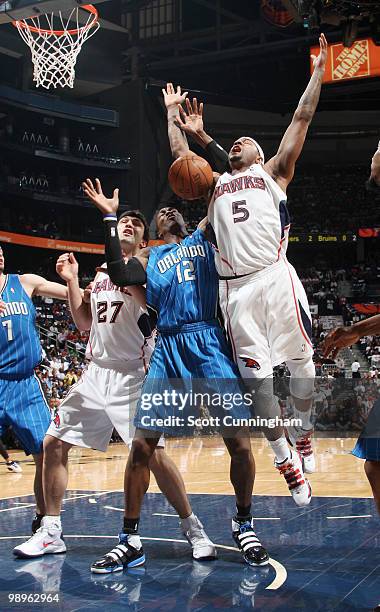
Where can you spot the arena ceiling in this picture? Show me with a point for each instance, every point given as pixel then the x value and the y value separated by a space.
pixel 230 52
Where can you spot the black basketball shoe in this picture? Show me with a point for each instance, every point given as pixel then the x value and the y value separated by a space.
pixel 248 543
pixel 127 553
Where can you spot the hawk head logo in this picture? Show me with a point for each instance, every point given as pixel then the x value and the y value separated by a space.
pixel 251 363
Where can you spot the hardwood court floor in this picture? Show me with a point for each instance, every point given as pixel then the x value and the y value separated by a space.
pixel 204 465
pixel 323 558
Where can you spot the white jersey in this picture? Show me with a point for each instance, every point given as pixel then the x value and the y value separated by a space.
pixel 250 220
pixel 121 331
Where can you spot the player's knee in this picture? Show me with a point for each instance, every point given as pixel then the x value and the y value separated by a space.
pixel 240 449
pixel 302 375
pixel 141 453
pixel 54 448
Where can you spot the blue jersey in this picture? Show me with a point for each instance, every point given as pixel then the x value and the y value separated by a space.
pixel 182 285
pixel 20 347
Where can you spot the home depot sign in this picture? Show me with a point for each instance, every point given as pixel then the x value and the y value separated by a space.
pixel 360 60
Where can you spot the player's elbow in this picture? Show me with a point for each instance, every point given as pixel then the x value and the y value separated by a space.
pixel 303 114
pixel 123 275
pixel 118 277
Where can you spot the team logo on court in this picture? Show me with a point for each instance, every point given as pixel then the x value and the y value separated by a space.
pixel 57 420
pixel 251 363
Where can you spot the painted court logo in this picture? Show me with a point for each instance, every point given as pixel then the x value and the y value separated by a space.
pixel 251 363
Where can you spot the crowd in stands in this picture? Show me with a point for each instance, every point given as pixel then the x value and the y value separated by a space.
pixel 63 349
pixel 334 204
pixel 340 404
pixel 315 206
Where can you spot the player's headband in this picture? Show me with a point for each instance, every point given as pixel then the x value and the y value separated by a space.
pixel 261 152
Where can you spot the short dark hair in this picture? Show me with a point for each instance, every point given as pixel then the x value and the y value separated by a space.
pixel 137 214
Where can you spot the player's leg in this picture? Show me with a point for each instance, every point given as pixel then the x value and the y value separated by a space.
pixel 5 396
pixel 125 390
pixel 172 486
pixel 3 451
pixel 372 470
pixel 129 551
pixel 290 332
pixel 29 415
pixel 368 448
pixel 242 476
pixel 248 332
pixel 302 377
pixel 80 421
pixel 38 485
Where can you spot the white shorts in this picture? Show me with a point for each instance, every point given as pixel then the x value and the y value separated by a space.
pixel 103 399
pixel 267 318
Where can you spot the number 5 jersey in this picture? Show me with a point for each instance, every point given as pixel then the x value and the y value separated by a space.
pixel 251 222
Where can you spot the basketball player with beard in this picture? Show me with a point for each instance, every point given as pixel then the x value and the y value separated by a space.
pixel 263 302
pixel 119 347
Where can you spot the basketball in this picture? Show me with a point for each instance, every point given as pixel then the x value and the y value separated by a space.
pixel 190 177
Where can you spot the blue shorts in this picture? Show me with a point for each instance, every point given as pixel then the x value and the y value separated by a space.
pixel 367 448
pixel 368 444
pixel 23 406
pixel 194 359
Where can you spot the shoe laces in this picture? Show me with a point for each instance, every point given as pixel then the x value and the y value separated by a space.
pixel 292 473
pixel 303 446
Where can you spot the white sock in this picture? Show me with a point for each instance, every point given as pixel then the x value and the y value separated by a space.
pixel 188 521
pixel 52 522
pixel 280 448
pixel 304 417
pixel 134 540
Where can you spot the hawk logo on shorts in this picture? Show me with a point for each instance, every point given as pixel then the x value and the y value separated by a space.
pixel 251 363
pixel 57 420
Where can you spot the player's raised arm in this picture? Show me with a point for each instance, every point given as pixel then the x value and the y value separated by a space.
pixel 37 285
pixel 373 182
pixel 173 100
pixel 282 165
pixel 67 268
pixel 191 122
pixel 122 274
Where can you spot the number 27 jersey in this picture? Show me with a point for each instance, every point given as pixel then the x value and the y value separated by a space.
pixel 250 220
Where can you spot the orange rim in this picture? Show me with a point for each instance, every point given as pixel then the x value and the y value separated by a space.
pixel 87 7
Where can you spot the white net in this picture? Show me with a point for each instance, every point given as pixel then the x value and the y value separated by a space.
pixel 55 42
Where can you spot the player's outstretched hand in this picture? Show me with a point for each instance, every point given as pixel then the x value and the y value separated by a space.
pixel 67 267
pixel 96 195
pixel 320 61
pixel 2 307
pixel 337 339
pixel 173 97
pixel 191 120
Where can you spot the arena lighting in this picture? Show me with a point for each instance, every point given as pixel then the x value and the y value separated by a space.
pixel 347 13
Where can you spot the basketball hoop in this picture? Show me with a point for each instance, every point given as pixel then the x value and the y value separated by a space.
pixel 55 46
